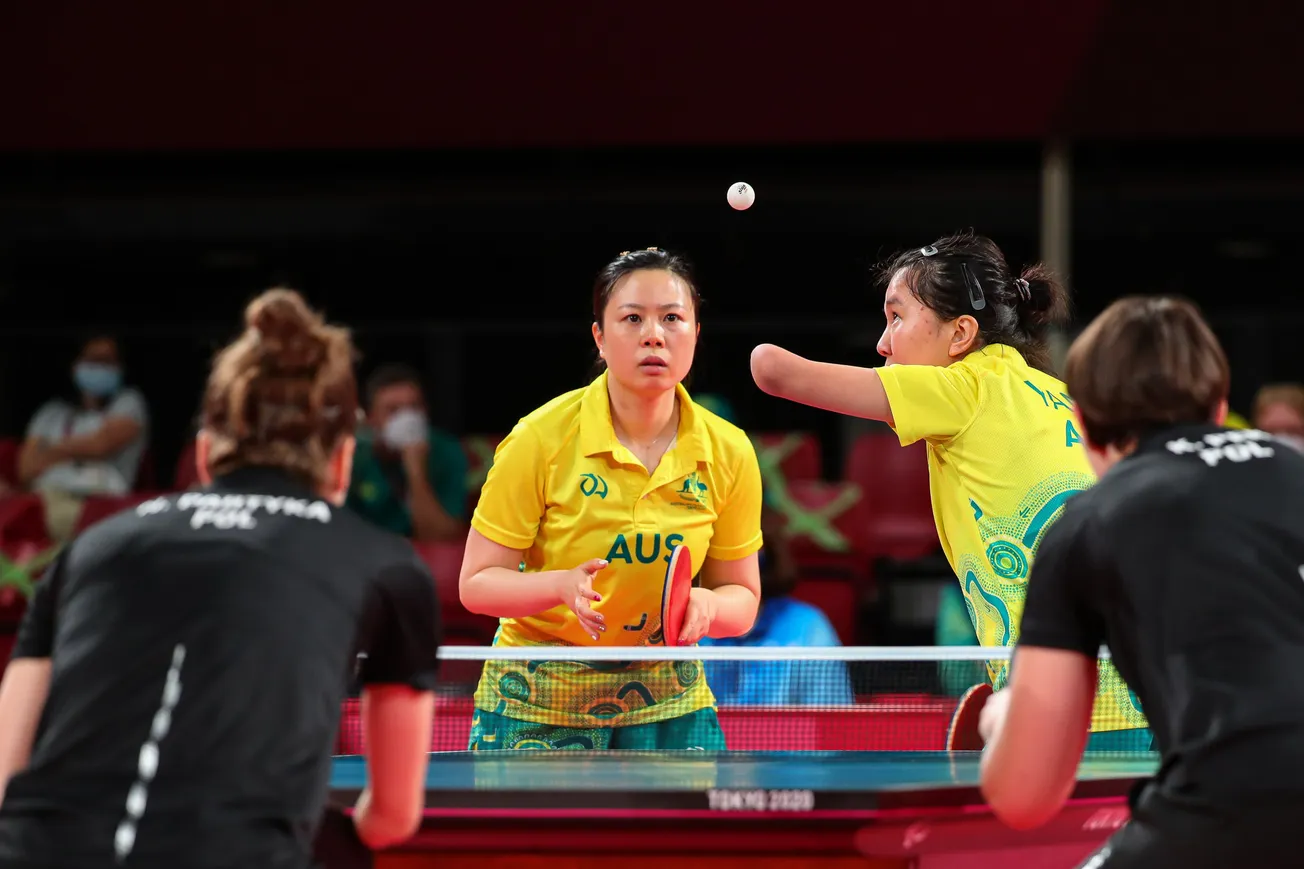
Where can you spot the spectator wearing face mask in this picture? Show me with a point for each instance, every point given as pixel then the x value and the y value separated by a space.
pixel 408 476
pixel 90 446
pixel 1279 410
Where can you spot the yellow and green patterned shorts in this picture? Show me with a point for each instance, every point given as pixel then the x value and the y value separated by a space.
pixel 696 731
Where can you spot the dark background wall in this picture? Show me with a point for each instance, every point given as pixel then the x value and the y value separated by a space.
pixel 448 180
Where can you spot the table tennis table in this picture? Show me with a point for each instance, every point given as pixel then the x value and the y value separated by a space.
pixel 763 810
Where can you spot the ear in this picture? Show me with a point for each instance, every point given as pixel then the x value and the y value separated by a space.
pixel 964 336
pixel 1220 414
pixel 340 472
pixel 597 337
pixel 203 449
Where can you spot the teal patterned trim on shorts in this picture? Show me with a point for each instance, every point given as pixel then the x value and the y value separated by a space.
pixel 696 731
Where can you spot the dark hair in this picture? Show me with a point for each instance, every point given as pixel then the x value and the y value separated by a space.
pixel 1147 363
pixel 281 395
pixel 88 338
pixel 389 375
pixel 967 274
pixel 635 260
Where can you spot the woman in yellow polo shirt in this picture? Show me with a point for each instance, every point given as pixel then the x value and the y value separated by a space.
pixel 968 372
pixel 591 492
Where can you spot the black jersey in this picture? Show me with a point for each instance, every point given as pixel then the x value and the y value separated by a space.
pixel 201 646
pixel 1187 560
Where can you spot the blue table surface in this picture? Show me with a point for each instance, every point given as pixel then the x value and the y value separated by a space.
pixel 622 771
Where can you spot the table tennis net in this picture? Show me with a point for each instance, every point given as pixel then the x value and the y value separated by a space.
pixel 768 698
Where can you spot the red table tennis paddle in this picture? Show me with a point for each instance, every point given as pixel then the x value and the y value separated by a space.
pixel 674 595
pixel 963 734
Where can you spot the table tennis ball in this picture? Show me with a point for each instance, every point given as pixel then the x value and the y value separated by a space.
pixel 741 196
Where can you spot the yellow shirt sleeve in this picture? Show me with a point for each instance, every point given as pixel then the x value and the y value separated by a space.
pixel 511 504
pixel 930 402
pixel 737 531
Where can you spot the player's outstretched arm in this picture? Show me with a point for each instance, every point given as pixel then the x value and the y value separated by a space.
pixel 22 700
pixel 1036 730
pixel 843 389
pixel 398 721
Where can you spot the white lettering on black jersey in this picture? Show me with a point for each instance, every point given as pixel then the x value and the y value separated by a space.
pixel 228 511
pixel 1185 560
pixel 1232 445
pixel 276 602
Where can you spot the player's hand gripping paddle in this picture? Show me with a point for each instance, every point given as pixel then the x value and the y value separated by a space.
pixel 674 596
pixel 963 734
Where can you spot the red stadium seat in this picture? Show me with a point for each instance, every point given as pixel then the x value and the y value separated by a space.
pixel 828 527
pixel 12 606
pixel 22 523
pixel 28 558
pixel 445 562
pixel 461 627
pixel 98 507
pixel 791 455
pixel 894 480
pixel 186 474
pixel 836 598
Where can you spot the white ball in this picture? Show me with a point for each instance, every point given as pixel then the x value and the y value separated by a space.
pixel 741 196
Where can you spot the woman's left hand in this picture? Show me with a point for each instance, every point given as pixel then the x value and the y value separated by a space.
pixel 700 615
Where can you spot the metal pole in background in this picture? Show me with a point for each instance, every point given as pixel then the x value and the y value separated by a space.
pixel 1057 227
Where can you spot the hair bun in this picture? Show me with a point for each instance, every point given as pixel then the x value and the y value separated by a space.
pixel 1040 296
pixel 286 330
pixel 1047 303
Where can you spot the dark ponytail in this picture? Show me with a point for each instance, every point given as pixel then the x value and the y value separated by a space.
pixel 967 274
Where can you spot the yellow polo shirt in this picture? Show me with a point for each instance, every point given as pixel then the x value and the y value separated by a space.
pixel 1004 455
pixel 564 490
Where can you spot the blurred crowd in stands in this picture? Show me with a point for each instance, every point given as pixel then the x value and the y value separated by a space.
pixel 841 556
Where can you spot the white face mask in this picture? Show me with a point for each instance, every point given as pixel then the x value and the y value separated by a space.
pixel 405 428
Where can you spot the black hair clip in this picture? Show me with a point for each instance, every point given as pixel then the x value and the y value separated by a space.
pixel 976 297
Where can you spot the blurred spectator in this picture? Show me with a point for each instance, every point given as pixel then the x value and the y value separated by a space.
pixel 782 621
pixel 408 476
pixel 90 446
pixel 1279 410
pixel 717 404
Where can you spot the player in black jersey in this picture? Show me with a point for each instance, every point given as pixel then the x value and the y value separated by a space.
pixel 176 687
pixel 1187 560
